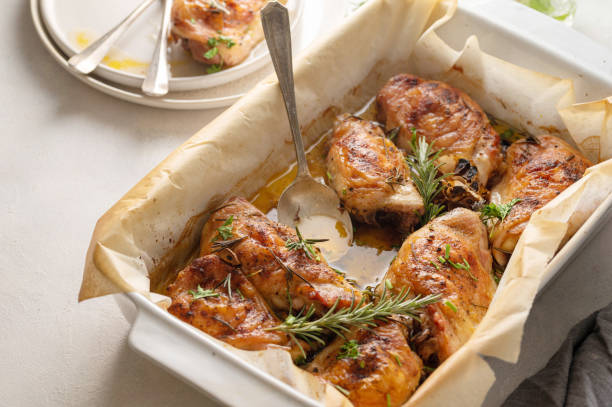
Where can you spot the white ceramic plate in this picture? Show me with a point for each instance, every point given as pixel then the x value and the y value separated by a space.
pixel 74 24
pixel 318 17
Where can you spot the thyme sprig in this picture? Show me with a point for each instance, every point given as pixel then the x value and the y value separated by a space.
pixel 499 212
pixel 339 321
pixel 495 214
pixel 202 293
pixel 464 265
pixel 349 350
pixel 306 245
pixel 425 175
pixel 396 178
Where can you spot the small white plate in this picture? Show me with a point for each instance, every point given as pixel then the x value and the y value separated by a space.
pixel 74 24
pixel 318 17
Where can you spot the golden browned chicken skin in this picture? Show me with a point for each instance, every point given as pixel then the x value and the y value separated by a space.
pixel 370 175
pixel 385 372
pixel 537 171
pixel 428 263
pixel 451 120
pixel 203 25
pixel 287 279
pixel 239 319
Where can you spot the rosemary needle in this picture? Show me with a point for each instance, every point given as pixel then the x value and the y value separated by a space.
pixel 424 174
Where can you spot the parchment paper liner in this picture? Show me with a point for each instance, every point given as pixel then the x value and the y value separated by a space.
pixel 154 228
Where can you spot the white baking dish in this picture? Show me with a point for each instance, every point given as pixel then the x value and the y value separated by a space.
pixel 500 25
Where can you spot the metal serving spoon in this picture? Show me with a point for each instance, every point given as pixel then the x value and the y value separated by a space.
pixel 87 60
pixel 305 199
pixel 156 79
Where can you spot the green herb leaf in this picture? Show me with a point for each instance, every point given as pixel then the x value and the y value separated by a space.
pixel 397 359
pixel 450 305
pixel 350 350
pixel 393 133
pixel 227 41
pixel 224 232
pixel 492 211
pixel 211 53
pixel 214 68
pixel 342 390
pixel 202 293
pixel 389 284
pixel 388 400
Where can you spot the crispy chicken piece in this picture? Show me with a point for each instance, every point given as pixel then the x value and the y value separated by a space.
pixel 384 371
pixel 370 175
pixel 537 171
pixel 452 121
pixel 287 279
pixel 202 25
pixel 239 319
pixel 450 256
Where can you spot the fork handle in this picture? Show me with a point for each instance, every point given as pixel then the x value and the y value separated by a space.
pixel 156 79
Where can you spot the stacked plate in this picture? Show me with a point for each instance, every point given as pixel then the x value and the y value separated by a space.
pixel 68 26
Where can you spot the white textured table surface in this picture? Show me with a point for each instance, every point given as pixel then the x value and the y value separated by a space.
pixel 67 153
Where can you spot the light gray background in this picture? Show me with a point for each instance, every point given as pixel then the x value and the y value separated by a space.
pixel 67 153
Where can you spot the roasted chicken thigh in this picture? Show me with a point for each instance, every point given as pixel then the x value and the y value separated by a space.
pixel 216 297
pixel 221 33
pixel 287 279
pixel 537 171
pixel 451 121
pixel 448 256
pixel 376 367
pixel 370 175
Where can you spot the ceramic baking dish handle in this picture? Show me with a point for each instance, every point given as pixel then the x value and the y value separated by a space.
pixel 186 352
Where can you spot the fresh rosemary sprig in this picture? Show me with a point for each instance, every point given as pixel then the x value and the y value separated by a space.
pixel 202 293
pixel 224 232
pixel 350 350
pixel 424 174
pixel 358 314
pixel 306 245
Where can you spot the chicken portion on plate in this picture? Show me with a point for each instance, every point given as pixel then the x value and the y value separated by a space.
pixel 219 33
pixel 373 367
pixel 449 120
pixel 538 170
pixel 216 297
pixel 287 278
pixel 449 256
pixel 370 175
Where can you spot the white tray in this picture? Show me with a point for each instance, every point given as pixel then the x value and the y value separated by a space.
pixel 501 27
